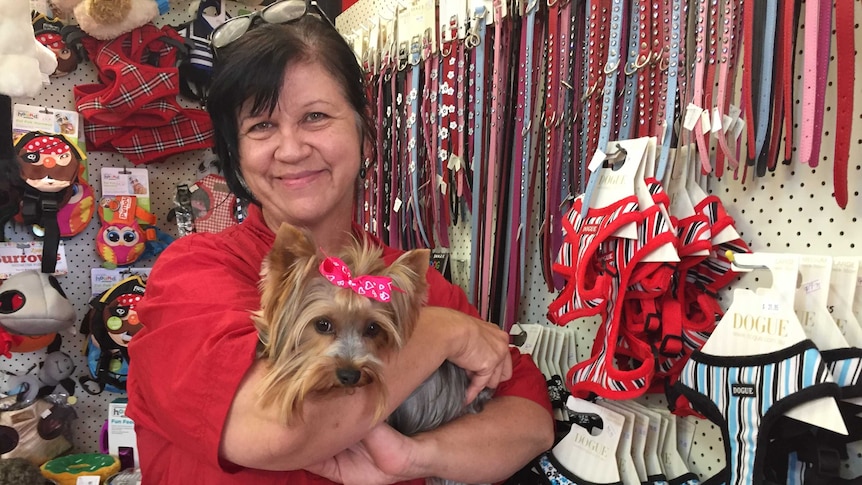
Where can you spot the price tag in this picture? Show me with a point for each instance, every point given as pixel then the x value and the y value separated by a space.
pixel 692 116
pixel 716 120
pixel 597 160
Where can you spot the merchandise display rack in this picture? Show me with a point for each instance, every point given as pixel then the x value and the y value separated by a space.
pixel 790 210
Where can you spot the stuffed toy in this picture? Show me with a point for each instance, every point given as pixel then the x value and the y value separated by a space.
pixel 108 19
pixel 38 429
pixel 18 471
pixel 24 62
pixel 49 33
pixel 50 166
pixel 122 238
pixel 53 377
pixel 33 304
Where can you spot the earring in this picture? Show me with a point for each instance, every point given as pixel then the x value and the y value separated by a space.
pixel 363 170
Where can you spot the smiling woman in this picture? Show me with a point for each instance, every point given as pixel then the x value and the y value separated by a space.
pixel 301 160
pixel 285 101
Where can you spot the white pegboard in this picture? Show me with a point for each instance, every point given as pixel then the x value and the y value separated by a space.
pixel 789 210
pixel 80 250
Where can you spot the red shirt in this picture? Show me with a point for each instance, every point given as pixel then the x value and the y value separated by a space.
pixel 198 341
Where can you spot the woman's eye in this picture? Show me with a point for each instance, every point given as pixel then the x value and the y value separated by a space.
pixel 257 130
pixel 315 116
pixel 262 126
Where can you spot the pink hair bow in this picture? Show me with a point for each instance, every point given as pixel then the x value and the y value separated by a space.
pixel 376 287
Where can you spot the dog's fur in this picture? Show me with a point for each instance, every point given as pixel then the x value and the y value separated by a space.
pixel 315 335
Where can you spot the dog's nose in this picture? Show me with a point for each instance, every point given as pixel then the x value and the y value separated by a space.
pixel 348 377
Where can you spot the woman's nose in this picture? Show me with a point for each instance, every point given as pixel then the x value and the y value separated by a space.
pixel 292 145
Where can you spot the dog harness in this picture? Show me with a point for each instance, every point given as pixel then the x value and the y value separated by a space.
pixel 584 256
pixel 214 206
pixel 615 260
pixel 553 473
pixel 688 312
pixel 845 365
pixel 744 395
pixel 714 273
pixel 133 110
pixel 815 453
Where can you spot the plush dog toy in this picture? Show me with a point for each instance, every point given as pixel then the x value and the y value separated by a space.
pixel 33 304
pixel 54 375
pixel 108 19
pixel 24 62
pixel 49 33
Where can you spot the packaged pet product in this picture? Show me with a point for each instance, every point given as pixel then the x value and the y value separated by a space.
pixel 32 304
pixel 35 430
pixel 110 325
pixel 49 165
pixel 125 230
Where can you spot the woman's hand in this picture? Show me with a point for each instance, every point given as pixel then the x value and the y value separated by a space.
pixel 479 347
pixel 384 456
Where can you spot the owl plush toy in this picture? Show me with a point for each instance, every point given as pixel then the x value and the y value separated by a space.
pixel 121 239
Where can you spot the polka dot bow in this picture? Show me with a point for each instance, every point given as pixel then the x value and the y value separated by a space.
pixel 375 287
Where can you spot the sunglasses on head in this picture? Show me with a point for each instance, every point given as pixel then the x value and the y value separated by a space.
pixel 282 12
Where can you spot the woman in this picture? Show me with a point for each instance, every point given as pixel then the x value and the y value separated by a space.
pixel 288 104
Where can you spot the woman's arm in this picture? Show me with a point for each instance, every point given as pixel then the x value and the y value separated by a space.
pixel 476 448
pixel 486 447
pixel 253 438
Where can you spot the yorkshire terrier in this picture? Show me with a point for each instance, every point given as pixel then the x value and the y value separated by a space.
pixel 328 323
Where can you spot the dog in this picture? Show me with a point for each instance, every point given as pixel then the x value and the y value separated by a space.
pixel 328 323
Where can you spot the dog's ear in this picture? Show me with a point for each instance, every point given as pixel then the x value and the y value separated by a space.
pixel 291 244
pixel 408 274
pixel 417 262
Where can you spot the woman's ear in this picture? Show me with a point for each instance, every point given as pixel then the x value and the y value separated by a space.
pixel 368 149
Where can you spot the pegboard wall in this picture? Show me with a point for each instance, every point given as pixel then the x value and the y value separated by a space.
pixel 80 250
pixel 789 210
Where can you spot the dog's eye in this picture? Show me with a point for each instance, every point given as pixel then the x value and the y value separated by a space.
pixel 372 330
pixel 323 326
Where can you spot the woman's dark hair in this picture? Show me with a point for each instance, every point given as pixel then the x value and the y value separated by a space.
pixel 252 69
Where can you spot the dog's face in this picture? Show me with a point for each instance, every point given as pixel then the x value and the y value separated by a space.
pixel 317 336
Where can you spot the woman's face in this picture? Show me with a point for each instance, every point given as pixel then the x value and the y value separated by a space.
pixel 301 162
